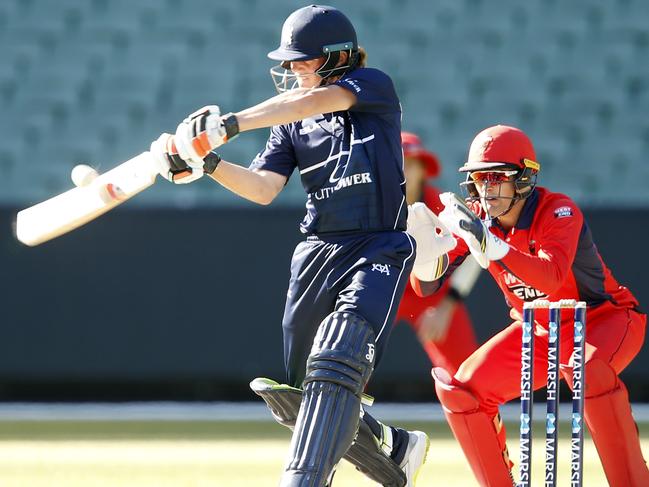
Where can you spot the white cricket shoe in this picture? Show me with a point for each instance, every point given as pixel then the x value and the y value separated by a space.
pixel 413 460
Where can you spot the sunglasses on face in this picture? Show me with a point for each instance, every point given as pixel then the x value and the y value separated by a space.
pixel 492 176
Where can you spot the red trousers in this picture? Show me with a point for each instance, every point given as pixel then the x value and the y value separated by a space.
pixel 491 376
pixel 493 372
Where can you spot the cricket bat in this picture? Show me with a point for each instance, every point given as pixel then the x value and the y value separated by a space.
pixel 78 206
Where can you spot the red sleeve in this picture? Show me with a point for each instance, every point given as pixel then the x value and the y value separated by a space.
pixel 557 228
pixel 431 199
pixel 423 288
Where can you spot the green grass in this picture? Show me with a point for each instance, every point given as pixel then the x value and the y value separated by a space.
pixel 232 454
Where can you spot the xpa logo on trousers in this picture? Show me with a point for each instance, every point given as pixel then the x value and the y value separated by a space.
pixel 382 268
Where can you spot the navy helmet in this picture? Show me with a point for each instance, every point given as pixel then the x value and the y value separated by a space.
pixel 311 32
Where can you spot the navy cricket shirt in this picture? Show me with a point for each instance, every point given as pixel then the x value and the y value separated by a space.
pixel 350 163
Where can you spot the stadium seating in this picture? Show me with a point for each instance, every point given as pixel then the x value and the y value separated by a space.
pixel 96 80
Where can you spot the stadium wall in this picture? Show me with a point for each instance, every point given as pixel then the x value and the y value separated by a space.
pixel 171 304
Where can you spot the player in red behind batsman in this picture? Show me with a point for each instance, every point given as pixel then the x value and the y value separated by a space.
pixel 441 321
pixel 537 245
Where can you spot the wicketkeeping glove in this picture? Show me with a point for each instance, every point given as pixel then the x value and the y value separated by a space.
pixel 459 218
pixel 434 241
pixel 202 131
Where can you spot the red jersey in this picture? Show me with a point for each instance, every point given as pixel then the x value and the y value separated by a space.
pixel 552 256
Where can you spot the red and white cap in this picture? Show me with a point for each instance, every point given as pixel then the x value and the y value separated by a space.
pixel 501 146
pixel 413 147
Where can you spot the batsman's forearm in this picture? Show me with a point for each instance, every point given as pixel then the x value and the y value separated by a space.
pixel 295 105
pixel 245 183
pixel 281 109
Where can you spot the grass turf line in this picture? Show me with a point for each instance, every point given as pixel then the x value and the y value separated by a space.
pixel 233 454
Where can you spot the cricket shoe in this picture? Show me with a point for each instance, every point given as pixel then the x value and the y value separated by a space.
pixel 413 460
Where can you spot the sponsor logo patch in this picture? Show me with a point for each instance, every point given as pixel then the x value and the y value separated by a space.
pixel 563 212
pixel 521 290
pixel 353 84
pixel 342 182
pixel 370 353
pixel 382 268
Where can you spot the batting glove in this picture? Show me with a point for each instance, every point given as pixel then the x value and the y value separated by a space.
pixel 203 131
pixel 170 165
pixel 459 218
pixel 434 241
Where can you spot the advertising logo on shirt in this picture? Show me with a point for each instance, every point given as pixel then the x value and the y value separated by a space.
pixel 343 182
pixel 520 289
pixel 563 212
pixel 338 177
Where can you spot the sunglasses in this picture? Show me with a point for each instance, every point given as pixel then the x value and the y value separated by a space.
pixel 492 176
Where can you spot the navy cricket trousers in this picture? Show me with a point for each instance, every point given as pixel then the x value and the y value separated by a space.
pixel 365 274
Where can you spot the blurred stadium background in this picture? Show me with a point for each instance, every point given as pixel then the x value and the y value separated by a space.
pixel 94 80
pixel 104 313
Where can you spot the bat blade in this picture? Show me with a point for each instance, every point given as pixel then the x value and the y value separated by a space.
pixel 76 207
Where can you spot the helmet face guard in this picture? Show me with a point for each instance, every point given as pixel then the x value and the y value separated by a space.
pixel 526 181
pixel 523 179
pixel 284 79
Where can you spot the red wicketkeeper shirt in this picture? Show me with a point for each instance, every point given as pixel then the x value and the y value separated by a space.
pixel 552 256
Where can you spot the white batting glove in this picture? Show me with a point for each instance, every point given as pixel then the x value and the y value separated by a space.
pixel 203 131
pixel 434 241
pixel 170 165
pixel 459 218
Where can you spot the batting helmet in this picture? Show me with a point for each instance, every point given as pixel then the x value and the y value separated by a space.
pixel 502 147
pixel 412 147
pixel 309 33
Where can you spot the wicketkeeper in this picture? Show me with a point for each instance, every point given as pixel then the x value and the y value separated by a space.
pixel 537 245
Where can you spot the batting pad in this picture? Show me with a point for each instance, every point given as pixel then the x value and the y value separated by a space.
pixel 364 453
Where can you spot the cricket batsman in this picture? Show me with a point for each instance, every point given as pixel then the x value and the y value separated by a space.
pixel 337 124
pixel 441 321
pixel 537 245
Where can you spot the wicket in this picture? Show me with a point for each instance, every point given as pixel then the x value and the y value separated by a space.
pixel 552 394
